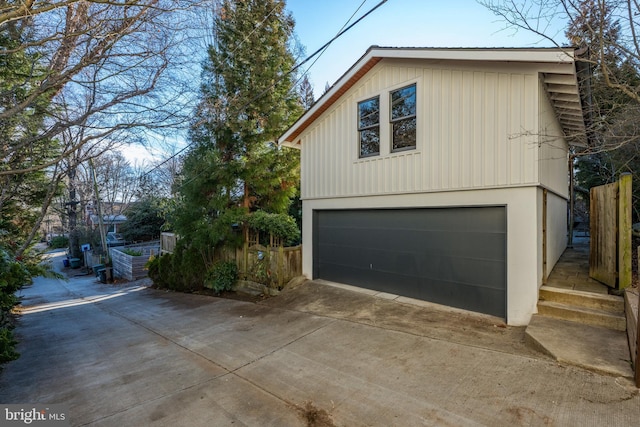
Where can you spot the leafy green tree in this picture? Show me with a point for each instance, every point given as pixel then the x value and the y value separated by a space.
pixel 144 220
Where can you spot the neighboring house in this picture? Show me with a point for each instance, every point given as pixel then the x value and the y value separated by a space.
pixel 111 222
pixel 442 174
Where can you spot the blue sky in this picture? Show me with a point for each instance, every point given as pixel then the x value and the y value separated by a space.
pixel 404 23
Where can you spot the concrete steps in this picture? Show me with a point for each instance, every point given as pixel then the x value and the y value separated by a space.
pixel 593 348
pixel 582 329
pixel 600 310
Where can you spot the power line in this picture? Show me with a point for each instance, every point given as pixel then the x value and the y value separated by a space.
pixel 288 73
pixel 325 49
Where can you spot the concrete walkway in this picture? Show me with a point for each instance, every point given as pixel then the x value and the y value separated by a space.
pixel 602 348
pixel 316 355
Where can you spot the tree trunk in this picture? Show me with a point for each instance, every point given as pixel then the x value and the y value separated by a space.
pixel 74 244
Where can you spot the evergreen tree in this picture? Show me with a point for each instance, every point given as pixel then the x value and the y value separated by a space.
pixel 21 145
pixel 21 195
pixel 248 99
pixel 144 220
pixel 306 93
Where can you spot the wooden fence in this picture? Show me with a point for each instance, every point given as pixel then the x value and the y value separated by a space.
pixel 167 242
pixel 272 266
pixel 610 247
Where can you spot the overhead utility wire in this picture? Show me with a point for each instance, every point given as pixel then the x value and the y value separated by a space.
pixel 292 70
pixel 320 55
pixel 236 48
pixel 322 50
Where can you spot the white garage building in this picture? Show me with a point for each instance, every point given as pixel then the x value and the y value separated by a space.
pixel 442 174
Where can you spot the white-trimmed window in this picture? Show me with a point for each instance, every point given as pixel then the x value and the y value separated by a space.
pixel 403 118
pixel 369 127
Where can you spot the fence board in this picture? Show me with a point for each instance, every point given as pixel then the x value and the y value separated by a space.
pixel 624 231
pixel 168 242
pixel 610 244
pixel 603 254
pixel 131 267
pixel 271 266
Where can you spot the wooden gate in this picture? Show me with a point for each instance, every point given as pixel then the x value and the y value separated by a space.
pixel 610 248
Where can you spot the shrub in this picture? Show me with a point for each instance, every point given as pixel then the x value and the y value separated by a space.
pixel 7 345
pixel 153 267
pixel 59 242
pixel 132 252
pixel 182 271
pixel 222 276
pixel 14 273
pixel 281 226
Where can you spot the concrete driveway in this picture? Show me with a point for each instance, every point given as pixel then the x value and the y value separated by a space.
pixel 317 355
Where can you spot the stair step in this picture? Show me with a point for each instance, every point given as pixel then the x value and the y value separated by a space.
pixel 594 348
pixel 610 303
pixel 589 316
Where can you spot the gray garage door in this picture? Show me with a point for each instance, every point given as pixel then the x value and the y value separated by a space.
pixel 452 256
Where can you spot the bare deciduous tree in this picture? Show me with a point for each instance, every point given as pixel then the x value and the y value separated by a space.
pixel 84 76
pixel 609 30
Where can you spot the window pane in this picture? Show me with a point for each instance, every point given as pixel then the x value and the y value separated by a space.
pixel 403 102
pixel 370 142
pixel 368 113
pixel 404 133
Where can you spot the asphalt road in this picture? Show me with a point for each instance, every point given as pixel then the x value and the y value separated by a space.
pixel 128 355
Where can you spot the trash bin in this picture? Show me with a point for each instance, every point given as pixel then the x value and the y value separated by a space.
pixel 75 262
pixel 65 262
pixel 97 268
pixel 102 275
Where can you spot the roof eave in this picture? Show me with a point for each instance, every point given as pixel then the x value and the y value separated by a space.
pixel 344 83
pixel 375 54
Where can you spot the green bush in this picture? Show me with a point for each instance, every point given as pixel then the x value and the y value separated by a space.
pixel 144 220
pixel 59 242
pixel 182 271
pixel 153 267
pixel 279 225
pixel 15 272
pixel 132 252
pixel 7 345
pixel 222 276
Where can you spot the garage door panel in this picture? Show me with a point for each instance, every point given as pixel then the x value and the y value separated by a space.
pixel 453 256
pixel 446 269
pixel 433 242
pixel 462 245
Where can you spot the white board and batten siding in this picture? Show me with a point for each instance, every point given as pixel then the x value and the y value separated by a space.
pixel 477 128
pixel 487 135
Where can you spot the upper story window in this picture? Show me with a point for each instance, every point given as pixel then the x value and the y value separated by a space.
pixel 369 127
pixel 403 118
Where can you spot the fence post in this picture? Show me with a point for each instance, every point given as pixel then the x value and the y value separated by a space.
pixel 280 266
pixel 638 345
pixel 624 231
pixel 245 258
